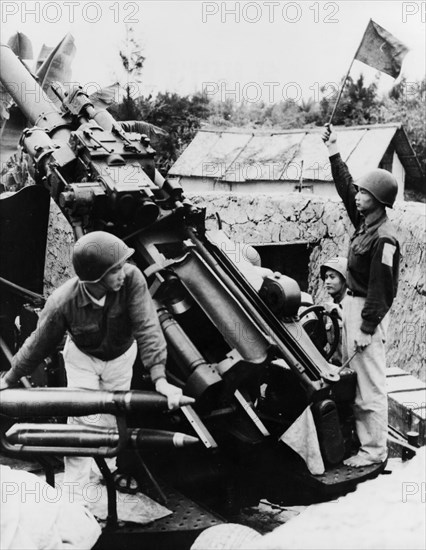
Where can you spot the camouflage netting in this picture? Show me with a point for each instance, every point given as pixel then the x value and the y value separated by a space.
pixel 264 219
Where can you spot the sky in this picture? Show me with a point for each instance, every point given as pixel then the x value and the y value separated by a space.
pixel 242 50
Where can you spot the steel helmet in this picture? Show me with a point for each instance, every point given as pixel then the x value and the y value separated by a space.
pixel 381 184
pixel 338 263
pixel 96 253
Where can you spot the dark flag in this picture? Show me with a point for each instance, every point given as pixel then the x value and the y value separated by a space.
pixel 381 50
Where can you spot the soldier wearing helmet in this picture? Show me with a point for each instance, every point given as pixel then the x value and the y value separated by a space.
pixel 333 273
pixel 108 314
pixel 373 263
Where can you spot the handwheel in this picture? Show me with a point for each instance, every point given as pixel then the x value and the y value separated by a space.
pixel 317 332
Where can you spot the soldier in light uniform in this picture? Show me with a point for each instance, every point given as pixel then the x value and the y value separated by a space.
pixel 333 273
pixel 373 263
pixel 108 314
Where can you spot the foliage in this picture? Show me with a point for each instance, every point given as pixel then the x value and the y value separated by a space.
pixel 179 116
pixel 357 106
pixel 132 61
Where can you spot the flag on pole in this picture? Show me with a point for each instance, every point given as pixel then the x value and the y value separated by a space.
pixel 381 50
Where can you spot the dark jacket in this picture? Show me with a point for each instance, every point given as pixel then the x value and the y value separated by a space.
pixel 373 258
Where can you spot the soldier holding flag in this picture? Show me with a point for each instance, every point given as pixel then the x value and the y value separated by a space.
pixel 372 279
pixel 373 264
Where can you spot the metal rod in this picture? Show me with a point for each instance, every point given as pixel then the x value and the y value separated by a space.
pixel 112 518
pixel 35 298
pixel 346 363
pixel 161 495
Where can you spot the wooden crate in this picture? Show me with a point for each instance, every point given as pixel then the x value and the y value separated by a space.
pixel 406 403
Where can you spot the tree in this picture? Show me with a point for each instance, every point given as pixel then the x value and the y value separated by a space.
pixel 132 61
pixel 358 104
pixel 179 116
pixel 287 114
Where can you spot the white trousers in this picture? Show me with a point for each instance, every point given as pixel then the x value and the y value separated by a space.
pixel 89 373
pixel 371 404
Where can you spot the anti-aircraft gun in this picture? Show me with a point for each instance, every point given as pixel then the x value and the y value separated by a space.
pixel 241 353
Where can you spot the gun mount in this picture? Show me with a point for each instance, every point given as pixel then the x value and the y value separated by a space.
pixel 242 354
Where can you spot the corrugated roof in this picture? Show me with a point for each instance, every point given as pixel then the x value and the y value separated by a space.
pixel 264 158
pixel 369 151
pixel 243 155
pixel 210 154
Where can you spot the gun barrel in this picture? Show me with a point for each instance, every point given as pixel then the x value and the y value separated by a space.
pixel 21 403
pixel 27 93
pixel 71 435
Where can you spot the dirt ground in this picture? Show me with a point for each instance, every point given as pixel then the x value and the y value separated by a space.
pixel 384 513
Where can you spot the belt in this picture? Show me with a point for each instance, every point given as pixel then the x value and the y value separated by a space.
pixel 355 294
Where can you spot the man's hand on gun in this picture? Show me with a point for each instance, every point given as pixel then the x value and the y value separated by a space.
pixel 173 393
pixel 362 340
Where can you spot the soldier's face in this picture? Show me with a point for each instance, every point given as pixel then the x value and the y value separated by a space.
pixel 333 282
pixel 114 279
pixel 365 202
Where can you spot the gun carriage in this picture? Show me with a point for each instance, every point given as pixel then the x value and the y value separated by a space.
pixel 243 355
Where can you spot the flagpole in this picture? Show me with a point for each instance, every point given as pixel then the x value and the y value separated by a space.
pixel 345 79
pixel 341 91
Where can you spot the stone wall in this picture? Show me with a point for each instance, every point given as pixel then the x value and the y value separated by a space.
pixel 60 241
pixel 282 219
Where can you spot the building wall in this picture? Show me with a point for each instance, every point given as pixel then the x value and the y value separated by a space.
pixel 263 219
